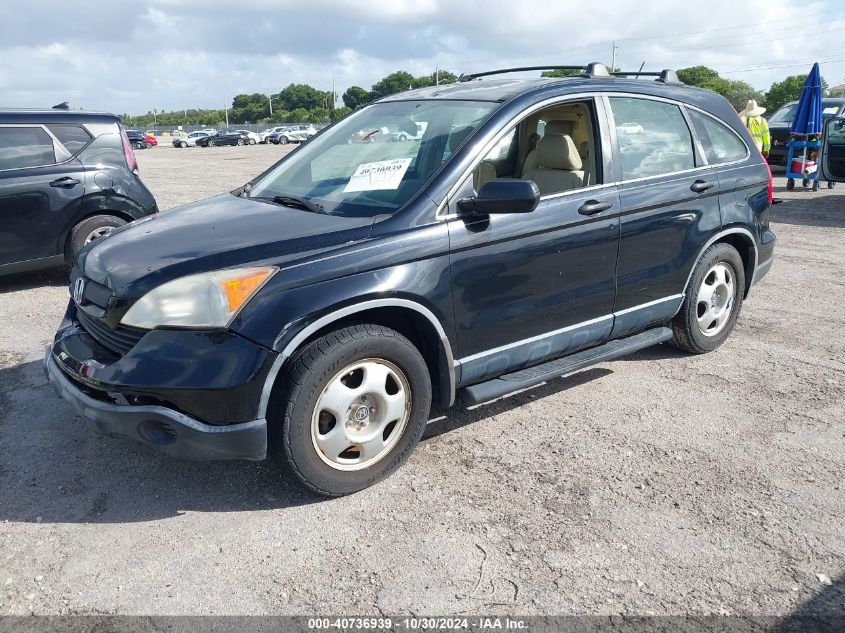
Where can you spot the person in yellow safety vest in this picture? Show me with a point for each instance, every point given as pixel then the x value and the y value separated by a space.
pixel 756 124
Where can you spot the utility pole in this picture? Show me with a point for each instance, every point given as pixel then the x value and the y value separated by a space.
pixel 613 63
pixel 155 120
pixel 226 110
pixel 334 95
pixel 437 75
pixel 270 99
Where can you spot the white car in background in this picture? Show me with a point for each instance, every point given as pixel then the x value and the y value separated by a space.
pixel 629 128
pixel 191 139
pixel 253 137
pixel 285 134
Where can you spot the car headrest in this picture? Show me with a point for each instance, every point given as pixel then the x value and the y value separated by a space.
pixel 560 127
pixel 558 151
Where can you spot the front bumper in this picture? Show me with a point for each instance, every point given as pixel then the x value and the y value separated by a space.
pixel 169 431
pixel 192 394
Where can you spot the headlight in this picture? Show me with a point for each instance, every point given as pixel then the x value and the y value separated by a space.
pixel 204 300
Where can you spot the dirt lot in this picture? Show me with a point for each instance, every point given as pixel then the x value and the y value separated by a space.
pixel 662 483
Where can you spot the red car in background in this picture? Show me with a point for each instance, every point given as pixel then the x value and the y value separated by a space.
pixel 139 140
pixel 150 140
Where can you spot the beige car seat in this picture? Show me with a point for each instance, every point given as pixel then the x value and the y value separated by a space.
pixel 559 165
pixel 552 127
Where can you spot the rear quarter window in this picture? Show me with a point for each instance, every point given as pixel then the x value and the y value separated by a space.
pixel 73 137
pixel 721 145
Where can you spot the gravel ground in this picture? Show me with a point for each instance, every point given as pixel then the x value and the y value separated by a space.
pixel 661 483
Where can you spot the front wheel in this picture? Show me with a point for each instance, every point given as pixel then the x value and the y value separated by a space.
pixel 356 405
pixel 210 144
pixel 713 301
pixel 283 140
pixel 252 141
pixel 240 141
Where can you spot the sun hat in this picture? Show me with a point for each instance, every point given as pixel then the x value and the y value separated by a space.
pixel 752 109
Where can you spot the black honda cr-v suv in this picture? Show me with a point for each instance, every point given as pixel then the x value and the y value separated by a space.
pixel 66 178
pixel 535 227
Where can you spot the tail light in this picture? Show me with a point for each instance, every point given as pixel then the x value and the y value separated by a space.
pixel 131 162
pixel 771 188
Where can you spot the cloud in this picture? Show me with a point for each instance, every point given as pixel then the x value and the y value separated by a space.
pixel 170 54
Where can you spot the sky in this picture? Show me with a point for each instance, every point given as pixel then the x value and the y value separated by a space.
pixel 133 57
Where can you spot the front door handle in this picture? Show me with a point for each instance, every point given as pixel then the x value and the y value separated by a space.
pixel 66 181
pixel 701 185
pixel 591 207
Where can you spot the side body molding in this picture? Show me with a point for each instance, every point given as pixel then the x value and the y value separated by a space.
pixel 330 318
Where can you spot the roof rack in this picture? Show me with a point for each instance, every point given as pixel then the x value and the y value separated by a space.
pixel 593 69
pixel 666 76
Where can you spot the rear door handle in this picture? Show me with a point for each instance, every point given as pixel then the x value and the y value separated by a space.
pixel 591 207
pixel 701 185
pixel 65 181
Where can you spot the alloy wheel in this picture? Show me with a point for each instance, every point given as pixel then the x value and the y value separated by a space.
pixel 97 233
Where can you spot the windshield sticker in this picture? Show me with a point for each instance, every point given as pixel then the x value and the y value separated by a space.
pixel 385 174
pixel 831 110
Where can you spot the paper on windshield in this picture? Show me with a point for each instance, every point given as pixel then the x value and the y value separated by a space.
pixel 385 174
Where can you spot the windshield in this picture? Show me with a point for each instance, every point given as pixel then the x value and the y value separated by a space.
pixel 374 161
pixel 785 114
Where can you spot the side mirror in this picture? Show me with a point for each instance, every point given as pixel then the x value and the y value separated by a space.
pixel 503 195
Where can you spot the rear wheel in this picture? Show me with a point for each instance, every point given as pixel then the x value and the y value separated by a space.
pixel 210 144
pixel 713 301
pixel 252 141
pixel 283 140
pixel 356 405
pixel 87 231
pixel 240 141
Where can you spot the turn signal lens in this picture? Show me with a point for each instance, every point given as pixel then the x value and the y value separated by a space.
pixel 239 289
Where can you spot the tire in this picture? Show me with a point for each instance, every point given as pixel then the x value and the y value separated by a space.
pixel 790 184
pixel 240 141
pixel 688 333
pixel 252 141
pixel 283 140
pixel 316 371
pixel 148 145
pixel 210 144
pixel 402 138
pixel 83 233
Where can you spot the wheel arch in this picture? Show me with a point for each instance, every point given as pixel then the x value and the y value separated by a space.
pixel 411 319
pixel 743 241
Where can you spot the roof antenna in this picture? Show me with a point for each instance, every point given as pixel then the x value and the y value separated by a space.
pixel 61 106
pixel 637 76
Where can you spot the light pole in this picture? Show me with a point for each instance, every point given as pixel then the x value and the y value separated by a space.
pixel 270 99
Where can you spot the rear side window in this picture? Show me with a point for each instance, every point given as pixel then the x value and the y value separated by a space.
pixel 73 137
pixel 720 144
pixel 25 147
pixel 653 137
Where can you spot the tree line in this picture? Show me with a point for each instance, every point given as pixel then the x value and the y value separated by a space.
pixel 297 103
pixel 301 103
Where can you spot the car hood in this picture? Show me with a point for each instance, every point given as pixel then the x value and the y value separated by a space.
pixel 221 232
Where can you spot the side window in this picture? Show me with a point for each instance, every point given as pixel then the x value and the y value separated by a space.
pixel 502 149
pixel 25 147
pixel 73 137
pixel 720 144
pixel 653 137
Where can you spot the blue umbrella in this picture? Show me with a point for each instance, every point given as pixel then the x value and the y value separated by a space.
pixel 808 116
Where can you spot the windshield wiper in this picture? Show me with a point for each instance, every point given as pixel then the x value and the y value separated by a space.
pixel 290 200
